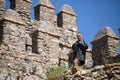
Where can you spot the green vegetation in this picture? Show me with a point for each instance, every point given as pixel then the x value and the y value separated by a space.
pixel 56 73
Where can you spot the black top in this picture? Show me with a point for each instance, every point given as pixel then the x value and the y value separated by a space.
pixel 79 49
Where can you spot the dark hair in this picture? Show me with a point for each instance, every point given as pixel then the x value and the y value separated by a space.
pixel 78 33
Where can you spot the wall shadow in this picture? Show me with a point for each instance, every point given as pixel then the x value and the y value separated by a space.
pixel 1 32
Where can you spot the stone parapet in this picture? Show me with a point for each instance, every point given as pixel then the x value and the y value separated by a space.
pixel 2 8
pixel 23 7
pixel 67 9
pixel 106 31
pixel 104 46
pixel 13 16
pixel 44 11
pixel 45 3
pixel 13 33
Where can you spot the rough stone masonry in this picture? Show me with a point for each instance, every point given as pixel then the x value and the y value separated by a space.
pixel 29 47
pixel 105 47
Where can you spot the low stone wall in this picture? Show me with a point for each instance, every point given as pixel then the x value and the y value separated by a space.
pixel 103 72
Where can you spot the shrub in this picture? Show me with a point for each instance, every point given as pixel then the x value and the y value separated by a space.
pixel 56 73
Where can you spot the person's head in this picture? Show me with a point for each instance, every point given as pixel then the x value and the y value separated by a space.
pixel 79 36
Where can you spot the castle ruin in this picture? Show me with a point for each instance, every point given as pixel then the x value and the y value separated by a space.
pixel 28 47
pixel 105 47
pixel 26 44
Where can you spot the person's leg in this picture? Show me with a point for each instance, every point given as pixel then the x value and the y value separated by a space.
pixel 76 61
pixel 81 63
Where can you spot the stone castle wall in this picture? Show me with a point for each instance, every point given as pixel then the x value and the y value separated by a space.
pixel 13 30
pixel 29 47
pixel 2 7
pixel 23 7
pixel 105 47
pixel 44 11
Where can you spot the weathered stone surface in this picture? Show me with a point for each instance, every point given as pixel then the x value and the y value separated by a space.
pixel 46 46
pixel 24 57
pixel 2 8
pixel 13 16
pixel 48 40
pixel 46 3
pixel 13 36
pixel 67 23
pixel 88 61
pixel 65 19
pixel 23 7
pixel 28 43
pixel 28 40
pixel 106 31
pixel 104 46
pixel 44 11
pixel 24 66
pixel 103 72
pixel 67 9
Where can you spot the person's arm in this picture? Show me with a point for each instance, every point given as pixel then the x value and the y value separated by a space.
pixel 85 45
pixel 74 47
pixel 82 45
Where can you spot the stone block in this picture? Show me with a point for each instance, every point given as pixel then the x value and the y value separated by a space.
pixel 76 69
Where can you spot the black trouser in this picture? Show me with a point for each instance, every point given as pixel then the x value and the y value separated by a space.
pixel 82 62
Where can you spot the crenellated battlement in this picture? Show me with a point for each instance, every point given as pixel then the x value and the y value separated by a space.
pixel 28 47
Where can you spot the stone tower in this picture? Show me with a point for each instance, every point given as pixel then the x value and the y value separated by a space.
pixel 66 16
pixel 46 37
pixel 104 46
pixel 2 7
pixel 44 11
pixel 23 7
pixel 13 33
pixel 66 20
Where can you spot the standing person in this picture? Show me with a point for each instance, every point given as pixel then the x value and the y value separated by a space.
pixel 79 50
